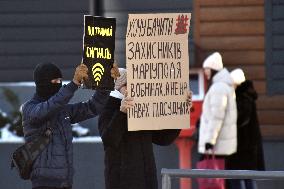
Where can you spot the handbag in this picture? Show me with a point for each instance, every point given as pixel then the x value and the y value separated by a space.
pixel 215 164
pixel 24 156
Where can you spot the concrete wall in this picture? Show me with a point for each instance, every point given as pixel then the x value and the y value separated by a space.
pixel 88 162
pixel 89 165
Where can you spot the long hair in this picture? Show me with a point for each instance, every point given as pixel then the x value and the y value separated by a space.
pixel 210 81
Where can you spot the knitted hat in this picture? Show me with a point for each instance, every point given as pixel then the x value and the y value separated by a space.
pixel 214 61
pixel 238 76
pixel 121 80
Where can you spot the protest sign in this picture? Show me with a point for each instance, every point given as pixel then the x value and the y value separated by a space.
pixel 98 51
pixel 157 65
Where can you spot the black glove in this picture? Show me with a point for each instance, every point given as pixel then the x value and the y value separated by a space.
pixel 209 146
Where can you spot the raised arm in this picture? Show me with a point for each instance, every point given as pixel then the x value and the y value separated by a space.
pixel 91 108
pixel 36 112
pixel 39 111
pixel 94 106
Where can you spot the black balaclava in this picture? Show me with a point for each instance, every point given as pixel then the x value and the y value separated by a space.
pixel 43 74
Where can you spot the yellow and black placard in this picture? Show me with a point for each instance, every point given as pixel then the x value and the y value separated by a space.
pixel 98 47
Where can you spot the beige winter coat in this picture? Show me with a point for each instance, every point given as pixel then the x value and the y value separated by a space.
pixel 219 116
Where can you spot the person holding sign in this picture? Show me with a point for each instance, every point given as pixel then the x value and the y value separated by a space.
pixel 129 157
pixel 49 109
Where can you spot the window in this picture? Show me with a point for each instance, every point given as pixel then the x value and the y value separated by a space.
pixel 274 52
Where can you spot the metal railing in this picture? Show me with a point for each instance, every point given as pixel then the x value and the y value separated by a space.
pixel 167 174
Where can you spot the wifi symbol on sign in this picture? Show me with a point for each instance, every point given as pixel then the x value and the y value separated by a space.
pixel 98 71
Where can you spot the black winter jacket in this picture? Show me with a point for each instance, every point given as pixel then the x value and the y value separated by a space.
pixel 129 157
pixel 54 166
pixel 249 155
